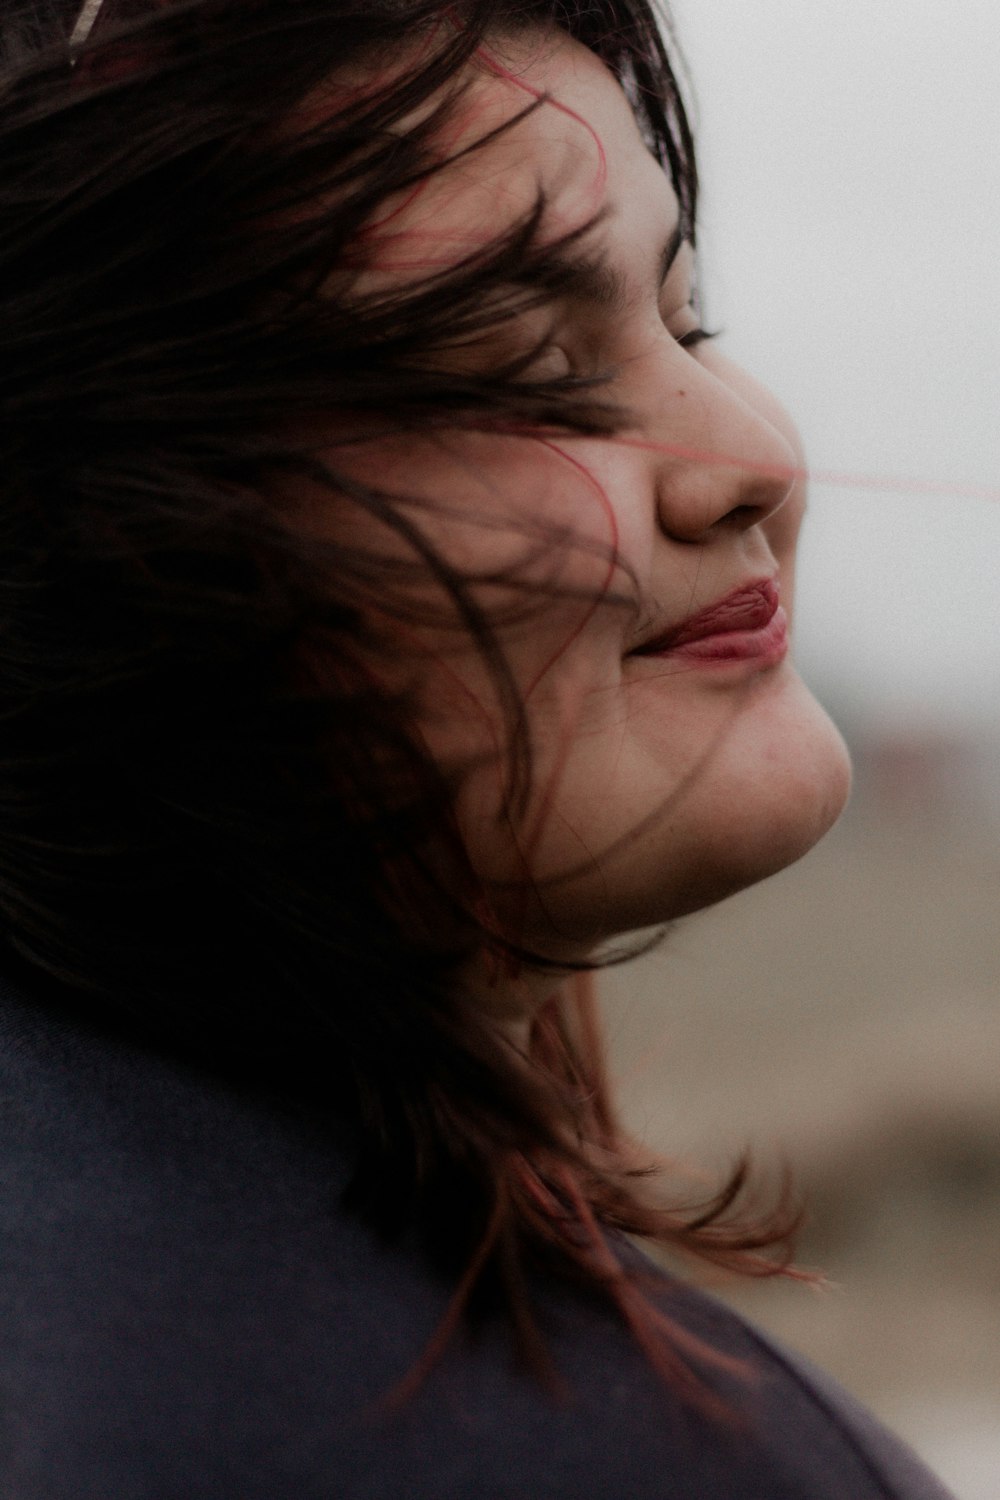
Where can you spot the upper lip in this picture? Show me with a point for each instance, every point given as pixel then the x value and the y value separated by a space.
pixel 749 607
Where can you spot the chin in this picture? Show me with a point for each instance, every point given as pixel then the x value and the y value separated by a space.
pixel 778 804
pixel 780 785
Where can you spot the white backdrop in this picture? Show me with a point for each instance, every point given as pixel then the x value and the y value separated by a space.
pixel 850 156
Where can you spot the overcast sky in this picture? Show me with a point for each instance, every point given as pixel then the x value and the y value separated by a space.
pixel 851 250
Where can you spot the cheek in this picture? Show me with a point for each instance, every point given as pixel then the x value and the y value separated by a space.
pixel 501 616
pixel 519 756
pixel 499 555
pixel 531 774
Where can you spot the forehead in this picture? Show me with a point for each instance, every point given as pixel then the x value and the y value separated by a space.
pixel 537 115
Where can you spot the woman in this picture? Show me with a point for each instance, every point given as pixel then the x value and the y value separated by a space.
pixel 394 617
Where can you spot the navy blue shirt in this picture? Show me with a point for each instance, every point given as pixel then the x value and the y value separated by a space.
pixel 186 1313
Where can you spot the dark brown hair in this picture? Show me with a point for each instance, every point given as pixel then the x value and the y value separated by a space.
pixel 216 827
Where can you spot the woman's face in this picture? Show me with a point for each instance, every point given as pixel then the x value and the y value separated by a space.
pixel 634 582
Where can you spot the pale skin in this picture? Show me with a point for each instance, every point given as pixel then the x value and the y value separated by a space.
pixel 659 785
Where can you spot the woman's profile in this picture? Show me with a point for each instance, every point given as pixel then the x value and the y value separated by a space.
pixel 395 608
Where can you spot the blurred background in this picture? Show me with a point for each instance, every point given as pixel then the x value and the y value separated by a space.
pixel 845 1016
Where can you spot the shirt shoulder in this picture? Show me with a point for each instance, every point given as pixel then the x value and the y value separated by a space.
pixel 189 1312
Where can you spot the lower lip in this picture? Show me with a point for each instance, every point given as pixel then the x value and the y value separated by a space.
pixel 765 647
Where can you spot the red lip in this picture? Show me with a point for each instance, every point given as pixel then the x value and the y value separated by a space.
pixel 748 623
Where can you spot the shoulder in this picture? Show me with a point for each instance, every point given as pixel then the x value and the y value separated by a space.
pixel 803 1419
pixel 189 1312
pixel 891 1460
pixel 795 1433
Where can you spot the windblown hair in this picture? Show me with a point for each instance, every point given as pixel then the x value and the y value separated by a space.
pixel 217 825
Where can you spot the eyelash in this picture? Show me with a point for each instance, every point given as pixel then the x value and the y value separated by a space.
pixel 689 340
pixel 694 337
pixel 685 341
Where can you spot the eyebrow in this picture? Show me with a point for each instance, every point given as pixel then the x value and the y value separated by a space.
pixel 606 287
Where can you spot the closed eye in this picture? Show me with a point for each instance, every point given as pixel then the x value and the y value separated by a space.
pixel 551 362
pixel 695 336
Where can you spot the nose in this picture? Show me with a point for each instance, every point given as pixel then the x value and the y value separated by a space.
pixel 724 452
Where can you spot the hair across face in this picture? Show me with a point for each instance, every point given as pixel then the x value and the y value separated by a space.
pixel 663 776
pixel 382 368
pixel 212 760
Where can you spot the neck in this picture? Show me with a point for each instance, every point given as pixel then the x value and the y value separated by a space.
pixel 511 997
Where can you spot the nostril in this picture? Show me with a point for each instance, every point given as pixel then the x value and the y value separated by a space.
pixel 700 498
pixel 743 516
